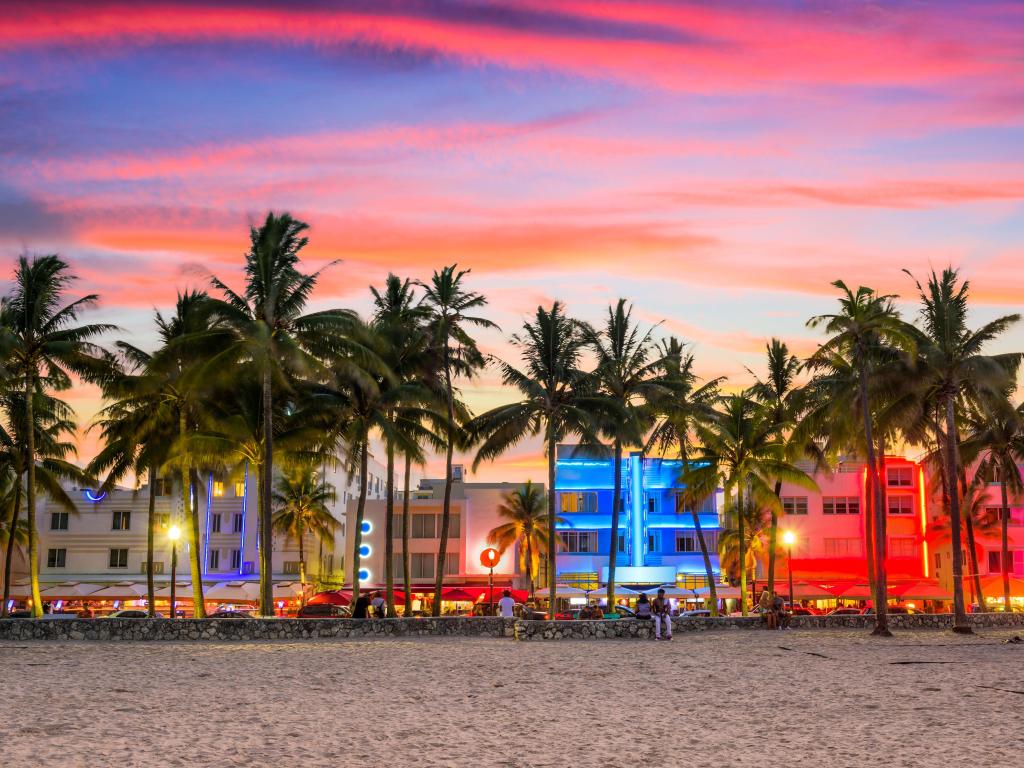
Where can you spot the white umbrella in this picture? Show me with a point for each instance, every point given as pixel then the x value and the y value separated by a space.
pixel 21 590
pixel 182 591
pixel 233 592
pixel 671 590
pixel 720 592
pixel 286 590
pixel 69 589
pixel 619 591
pixel 564 591
pixel 123 590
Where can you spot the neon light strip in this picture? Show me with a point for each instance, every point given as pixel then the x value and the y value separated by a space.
pixel 636 498
pixel 206 541
pixel 924 521
pixel 245 506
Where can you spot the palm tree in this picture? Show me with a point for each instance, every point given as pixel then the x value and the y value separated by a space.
pixel 279 342
pixel 953 367
pixel 554 401
pixel 786 402
pixel 45 346
pixel 742 451
pixel 683 407
pixel 446 304
pixel 525 510
pixel 398 322
pixel 996 438
pixel 301 501
pixel 742 540
pixel 627 379
pixel 866 320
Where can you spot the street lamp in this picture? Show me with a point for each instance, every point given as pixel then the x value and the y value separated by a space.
pixel 174 533
pixel 789 539
pixel 488 559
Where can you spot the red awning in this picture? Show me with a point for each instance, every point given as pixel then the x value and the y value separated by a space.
pixel 334 597
pixel 457 594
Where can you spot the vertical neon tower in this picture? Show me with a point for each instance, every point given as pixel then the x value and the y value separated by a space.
pixel 636 508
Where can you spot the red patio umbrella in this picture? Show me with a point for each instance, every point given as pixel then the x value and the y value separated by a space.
pixel 457 594
pixel 333 597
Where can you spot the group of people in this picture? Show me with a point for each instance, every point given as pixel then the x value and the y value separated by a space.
pixel 659 611
pixel 370 607
pixel 773 608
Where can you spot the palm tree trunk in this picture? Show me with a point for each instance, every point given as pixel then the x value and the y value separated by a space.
pixel 191 531
pixel 406 559
pixel 972 546
pixel 446 509
pixel 712 590
pixel 389 534
pixel 528 559
pixel 266 489
pixel 960 623
pixel 881 598
pixel 30 492
pixel 613 549
pixel 869 535
pixel 1004 547
pixel 773 535
pixel 552 514
pixel 357 536
pixel 302 565
pixel 9 553
pixel 150 545
pixel 743 548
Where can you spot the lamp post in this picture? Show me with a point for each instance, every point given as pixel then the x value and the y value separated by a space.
pixel 789 539
pixel 489 558
pixel 174 533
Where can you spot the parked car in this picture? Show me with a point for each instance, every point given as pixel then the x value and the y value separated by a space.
pixel 801 611
pixel 844 612
pixel 869 611
pixel 696 613
pixel 230 615
pixel 131 613
pixel 324 611
pixel 21 613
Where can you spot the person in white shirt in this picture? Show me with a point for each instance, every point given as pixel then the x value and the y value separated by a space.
pixel 506 606
pixel 662 611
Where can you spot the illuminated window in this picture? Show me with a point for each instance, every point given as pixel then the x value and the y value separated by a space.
pixel 291 566
pixel 840 505
pixel 580 542
pixel 901 505
pixel 218 487
pixel 578 502
pixel 794 505
pixel 158 567
pixel 162 521
pixel 691 580
pixel 900 477
pixel 239 489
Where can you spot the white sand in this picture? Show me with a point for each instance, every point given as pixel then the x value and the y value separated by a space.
pixel 715 699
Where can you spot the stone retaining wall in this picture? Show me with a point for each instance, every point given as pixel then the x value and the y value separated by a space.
pixel 302 629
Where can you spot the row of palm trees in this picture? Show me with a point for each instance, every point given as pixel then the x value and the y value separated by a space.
pixel 249 381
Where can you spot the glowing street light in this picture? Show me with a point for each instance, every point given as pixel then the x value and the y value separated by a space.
pixel 789 539
pixel 174 533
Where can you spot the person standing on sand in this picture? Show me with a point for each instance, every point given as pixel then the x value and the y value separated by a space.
pixel 662 614
pixel 507 605
pixel 361 609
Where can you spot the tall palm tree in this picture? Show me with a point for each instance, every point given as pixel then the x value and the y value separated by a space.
pixel 301 502
pixel 865 321
pixel 554 401
pixel 279 341
pixel 627 379
pixel 525 512
pixel 742 539
pixel 447 305
pixel 786 401
pixel 685 405
pixel 741 451
pixel 996 439
pixel 45 347
pixel 953 366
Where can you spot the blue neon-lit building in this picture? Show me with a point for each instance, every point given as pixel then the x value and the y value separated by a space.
pixel 656 540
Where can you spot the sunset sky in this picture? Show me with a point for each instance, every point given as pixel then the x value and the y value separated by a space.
pixel 718 164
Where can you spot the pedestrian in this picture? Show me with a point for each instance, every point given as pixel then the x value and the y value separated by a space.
pixel 507 605
pixel 643 607
pixel 379 605
pixel 779 610
pixel 361 608
pixel 765 606
pixel 662 615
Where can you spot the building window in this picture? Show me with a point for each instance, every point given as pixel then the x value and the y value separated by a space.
pixel 654 541
pixel 580 542
pixel 653 504
pixel 122 520
pixel 843 548
pixel 239 489
pixel 218 488
pixel 236 559
pixel 58 521
pixel 622 542
pixel 454 526
pixel 900 477
pixel 422 565
pixel 902 546
pixel 901 505
pixel 327 563
pixel 396 526
pixel 56 558
pixel 215 523
pixel 794 505
pixel 451 564
pixel 162 521
pixel 158 567
pixel 578 502
pixel 162 486
pixel 118 558
pixel 237 522
pixel 687 541
pixel 291 566
pixel 938 561
pixel 214 563
pixel 691 580
pixel 840 505
pixel 423 527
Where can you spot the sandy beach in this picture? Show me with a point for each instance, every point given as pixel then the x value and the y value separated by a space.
pixel 717 699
